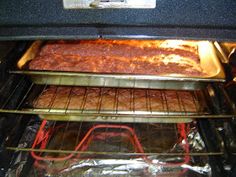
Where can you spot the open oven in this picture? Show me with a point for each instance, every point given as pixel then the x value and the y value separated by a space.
pixel 117 88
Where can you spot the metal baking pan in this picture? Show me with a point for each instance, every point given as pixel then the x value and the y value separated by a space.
pixel 115 118
pixel 208 60
pixel 115 105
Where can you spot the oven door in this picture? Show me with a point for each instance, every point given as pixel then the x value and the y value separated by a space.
pixel 211 20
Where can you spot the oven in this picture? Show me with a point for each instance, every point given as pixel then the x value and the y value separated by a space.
pixel 131 106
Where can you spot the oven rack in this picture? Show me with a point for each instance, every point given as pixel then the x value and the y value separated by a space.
pixel 54 147
pixel 209 62
pixel 201 106
pixel 62 137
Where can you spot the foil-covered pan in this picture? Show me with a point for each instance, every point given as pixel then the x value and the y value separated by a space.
pixel 208 60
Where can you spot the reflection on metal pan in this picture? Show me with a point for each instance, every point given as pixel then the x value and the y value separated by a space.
pixel 208 60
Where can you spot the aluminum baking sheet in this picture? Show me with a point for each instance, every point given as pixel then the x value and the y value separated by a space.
pixel 115 105
pixel 208 60
pixel 116 119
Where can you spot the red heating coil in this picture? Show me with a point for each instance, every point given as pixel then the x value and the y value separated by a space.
pixel 44 136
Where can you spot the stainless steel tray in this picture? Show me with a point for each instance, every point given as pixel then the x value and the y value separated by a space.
pixel 208 60
pixel 116 119
pixel 107 104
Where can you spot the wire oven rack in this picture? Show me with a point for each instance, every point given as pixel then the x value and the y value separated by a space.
pixel 67 147
pixel 114 141
pixel 199 101
pixel 59 147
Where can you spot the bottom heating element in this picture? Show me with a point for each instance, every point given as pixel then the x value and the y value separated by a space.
pixel 94 149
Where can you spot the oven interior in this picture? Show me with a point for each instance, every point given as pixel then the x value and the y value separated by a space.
pixel 171 140
pixel 113 124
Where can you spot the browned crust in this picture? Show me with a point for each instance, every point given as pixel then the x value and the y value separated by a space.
pixel 116 56
pixel 115 99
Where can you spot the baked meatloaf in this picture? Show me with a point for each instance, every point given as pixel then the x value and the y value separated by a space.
pixel 113 99
pixel 149 57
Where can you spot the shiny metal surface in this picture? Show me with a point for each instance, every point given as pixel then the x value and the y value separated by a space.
pixel 24 106
pixel 208 60
pixel 159 157
pixel 166 112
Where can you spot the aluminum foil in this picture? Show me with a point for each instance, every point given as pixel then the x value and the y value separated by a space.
pixel 125 166
pixel 131 167
pixel 25 142
pixel 195 141
pixel 155 165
